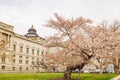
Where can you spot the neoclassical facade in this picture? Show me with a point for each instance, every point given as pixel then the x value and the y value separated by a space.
pixel 22 51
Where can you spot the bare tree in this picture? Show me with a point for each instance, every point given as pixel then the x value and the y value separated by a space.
pixel 78 42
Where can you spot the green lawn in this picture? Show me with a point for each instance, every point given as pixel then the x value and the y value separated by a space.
pixel 51 76
pixel 95 76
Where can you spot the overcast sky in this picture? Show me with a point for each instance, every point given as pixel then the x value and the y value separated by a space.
pixel 23 13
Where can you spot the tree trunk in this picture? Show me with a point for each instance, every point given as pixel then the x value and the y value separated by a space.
pixel 79 74
pixel 116 69
pixel 67 74
pixel 101 71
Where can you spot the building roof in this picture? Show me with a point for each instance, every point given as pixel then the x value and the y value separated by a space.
pixel 32 32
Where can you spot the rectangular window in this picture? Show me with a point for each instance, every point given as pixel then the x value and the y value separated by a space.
pixel 32 58
pixel 3 58
pixel 20 56
pixel 32 62
pixel 13 60
pixel 14 47
pixel 33 51
pixel 37 52
pixel 27 50
pixel 13 56
pixel 27 57
pixel 3 67
pixel 20 61
pixel 27 62
pixel 42 52
pixel 21 49
pixel 20 68
pixel 13 68
pixel 27 68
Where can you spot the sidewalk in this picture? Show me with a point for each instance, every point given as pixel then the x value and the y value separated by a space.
pixel 116 78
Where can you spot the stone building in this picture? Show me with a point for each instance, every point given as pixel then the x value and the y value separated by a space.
pixel 22 51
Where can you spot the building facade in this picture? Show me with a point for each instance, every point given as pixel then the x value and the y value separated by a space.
pixel 22 52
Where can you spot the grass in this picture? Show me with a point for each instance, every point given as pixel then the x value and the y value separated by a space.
pixel 51 76
pixel 41 76
pixel 95 76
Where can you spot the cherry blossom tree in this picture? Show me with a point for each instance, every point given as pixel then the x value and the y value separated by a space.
pixel 115 51
pixel 77 41
pixel 101 62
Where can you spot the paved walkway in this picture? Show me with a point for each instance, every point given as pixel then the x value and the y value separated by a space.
pixel 116 78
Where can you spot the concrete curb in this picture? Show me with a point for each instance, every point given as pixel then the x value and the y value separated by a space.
pixel 116 78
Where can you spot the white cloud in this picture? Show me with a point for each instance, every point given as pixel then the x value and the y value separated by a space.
pixel 23 13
